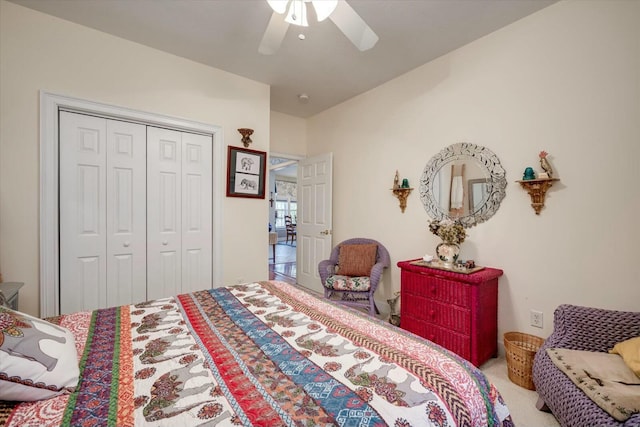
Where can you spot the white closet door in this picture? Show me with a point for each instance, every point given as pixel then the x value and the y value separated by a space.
pixel 196 212
pixel 135 212
pixel 82 212
pixel 126 213
pixel 164 212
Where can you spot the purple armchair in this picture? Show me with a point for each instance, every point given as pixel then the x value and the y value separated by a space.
pixel 354 297
pixel 580 328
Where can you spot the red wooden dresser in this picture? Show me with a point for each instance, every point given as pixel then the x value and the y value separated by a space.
pixel 457 311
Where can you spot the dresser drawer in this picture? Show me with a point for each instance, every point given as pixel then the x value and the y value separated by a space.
pixel 436 288
pixel 437 313
pixel 458 343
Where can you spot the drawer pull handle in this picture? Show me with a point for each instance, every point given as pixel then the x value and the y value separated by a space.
pixel 126 244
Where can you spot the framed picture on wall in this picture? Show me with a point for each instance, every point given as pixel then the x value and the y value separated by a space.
pixel 246 172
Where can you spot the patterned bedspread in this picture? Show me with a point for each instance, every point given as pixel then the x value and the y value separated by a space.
pixel 260 354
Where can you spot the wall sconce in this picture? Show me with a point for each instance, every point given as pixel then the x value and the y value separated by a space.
pixel 537 187
pixel 246 134
pixel 401 191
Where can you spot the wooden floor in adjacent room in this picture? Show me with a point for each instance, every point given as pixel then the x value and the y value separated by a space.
pixel 283 267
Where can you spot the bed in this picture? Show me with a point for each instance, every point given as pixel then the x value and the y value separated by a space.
pixel 257 354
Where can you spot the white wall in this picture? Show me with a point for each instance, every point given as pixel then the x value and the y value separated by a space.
pixel 565 80
pixel 41 52
pixel 288 134
pixel 287 139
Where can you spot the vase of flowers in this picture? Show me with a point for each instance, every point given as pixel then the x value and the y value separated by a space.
pixel 452 234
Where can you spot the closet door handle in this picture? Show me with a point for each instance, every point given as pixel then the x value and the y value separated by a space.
pixel 126 244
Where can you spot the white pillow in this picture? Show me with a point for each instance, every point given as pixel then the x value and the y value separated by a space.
pixel 38 359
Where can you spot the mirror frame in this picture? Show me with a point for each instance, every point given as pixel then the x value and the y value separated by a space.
pixel 486 160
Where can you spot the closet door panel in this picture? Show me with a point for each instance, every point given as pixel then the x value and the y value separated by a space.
pixel 135 212
pixel 196 212
pixel 126 213
pixel 164 213
pixel 82 212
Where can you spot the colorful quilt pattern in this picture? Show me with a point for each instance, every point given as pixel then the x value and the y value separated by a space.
pixel 260 354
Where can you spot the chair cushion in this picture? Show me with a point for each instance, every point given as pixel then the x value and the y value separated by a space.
pixel 356 259
pixel 630 352
pixel 348 283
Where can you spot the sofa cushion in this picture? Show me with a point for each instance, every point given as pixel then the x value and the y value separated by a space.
pixel 630 352
pixel 38 359
pixel 603 377
pixel 356 259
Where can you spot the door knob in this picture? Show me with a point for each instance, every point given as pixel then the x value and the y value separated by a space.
pixel 165 243
pixel 126 244
pixel 325 232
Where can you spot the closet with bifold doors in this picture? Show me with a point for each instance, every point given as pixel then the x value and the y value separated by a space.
pixel 135 212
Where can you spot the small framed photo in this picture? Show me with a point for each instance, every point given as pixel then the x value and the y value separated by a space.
pixel 246 172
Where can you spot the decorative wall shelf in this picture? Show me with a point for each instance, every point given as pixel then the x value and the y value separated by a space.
pixel 537 189
pixel 402 193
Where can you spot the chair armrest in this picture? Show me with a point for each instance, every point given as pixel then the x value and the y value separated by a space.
pixel 326 268
pixel 376 274
pixel 591 329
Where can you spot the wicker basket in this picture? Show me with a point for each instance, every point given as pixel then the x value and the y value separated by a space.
pixel 520 350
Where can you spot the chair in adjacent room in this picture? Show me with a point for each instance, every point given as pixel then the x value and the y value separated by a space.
pixel 273 240
pixel 353 272
pixel 291 228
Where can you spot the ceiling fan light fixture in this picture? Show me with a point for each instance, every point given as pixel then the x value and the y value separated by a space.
pixel 297 13
pixel 343 16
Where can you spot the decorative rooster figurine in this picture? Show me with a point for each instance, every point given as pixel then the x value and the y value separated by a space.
pixel 544 163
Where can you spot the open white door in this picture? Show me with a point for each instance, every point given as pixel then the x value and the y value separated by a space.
pixel 315 180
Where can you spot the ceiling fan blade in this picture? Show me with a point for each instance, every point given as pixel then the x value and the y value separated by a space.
pixel 353 26
pixel 273 35
pixel 279 6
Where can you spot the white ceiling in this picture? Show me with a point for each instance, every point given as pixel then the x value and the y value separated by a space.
pixel 225 34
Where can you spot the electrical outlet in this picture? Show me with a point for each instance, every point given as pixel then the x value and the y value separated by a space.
pixel 536 318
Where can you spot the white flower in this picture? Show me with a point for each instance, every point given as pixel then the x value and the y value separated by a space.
pixel 448 230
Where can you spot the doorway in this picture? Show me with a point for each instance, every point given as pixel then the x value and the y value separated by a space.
pixel 283 214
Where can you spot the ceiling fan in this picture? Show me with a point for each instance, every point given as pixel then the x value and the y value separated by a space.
pixel 287 12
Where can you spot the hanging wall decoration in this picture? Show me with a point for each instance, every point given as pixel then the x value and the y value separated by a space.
pixel 246 173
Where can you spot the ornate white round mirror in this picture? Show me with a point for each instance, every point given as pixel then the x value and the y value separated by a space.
pixel 464 182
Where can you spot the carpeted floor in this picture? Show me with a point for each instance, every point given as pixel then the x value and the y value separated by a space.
pixel 520 401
